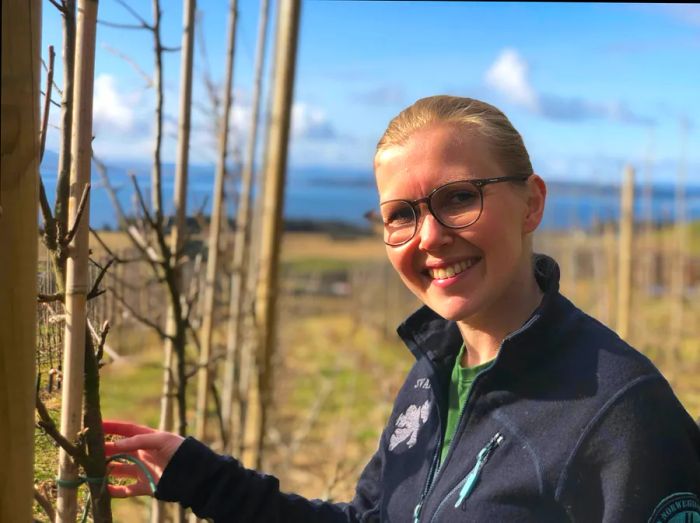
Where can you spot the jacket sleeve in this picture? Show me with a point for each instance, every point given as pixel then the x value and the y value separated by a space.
pixel 639 458
pixel 220 488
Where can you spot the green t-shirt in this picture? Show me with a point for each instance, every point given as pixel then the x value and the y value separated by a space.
pixel 460 383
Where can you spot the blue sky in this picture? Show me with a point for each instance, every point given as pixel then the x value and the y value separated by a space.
pixel 589 86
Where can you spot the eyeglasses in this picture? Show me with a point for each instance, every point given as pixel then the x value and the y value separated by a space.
pixel 455 205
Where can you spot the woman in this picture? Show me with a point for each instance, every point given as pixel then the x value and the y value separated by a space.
pixel 519 407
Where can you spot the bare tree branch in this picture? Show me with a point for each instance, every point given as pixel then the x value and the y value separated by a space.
pixel 142 202
pixel 101 341
pixel 62 9
pixel 123 26
pixel 135 14
pixel 45 504
pixel 132 63
pixel 50 298
pixel 94 292
pixel 117 259
pixel 49 224
pixel 46 423
pixel 78 216
pixel 163 335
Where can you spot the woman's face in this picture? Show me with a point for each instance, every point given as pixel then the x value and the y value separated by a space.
pixel 491 259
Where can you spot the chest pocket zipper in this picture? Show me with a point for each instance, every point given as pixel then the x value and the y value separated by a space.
pixel 473 476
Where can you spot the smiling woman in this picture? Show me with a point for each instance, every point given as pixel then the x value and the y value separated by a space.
pixel 520 407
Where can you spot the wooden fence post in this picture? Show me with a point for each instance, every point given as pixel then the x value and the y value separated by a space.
pixel 266 295
pixel 624 268
pixel 21 44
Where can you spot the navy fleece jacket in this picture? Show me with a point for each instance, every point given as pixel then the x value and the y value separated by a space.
pixel 569 424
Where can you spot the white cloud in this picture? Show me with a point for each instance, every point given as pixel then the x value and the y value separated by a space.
pixel 112 109
pixel 509 76
pixel 309 122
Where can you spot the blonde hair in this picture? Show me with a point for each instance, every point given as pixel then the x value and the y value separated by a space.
pixel 486 119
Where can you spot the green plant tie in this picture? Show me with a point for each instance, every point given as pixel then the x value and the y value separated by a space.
pixel 75 483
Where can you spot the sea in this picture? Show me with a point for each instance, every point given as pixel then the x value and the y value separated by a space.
pixel 321 194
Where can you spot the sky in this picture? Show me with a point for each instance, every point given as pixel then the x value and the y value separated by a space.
pixel 589 86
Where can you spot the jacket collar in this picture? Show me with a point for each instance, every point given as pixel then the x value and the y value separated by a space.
pixel 429 335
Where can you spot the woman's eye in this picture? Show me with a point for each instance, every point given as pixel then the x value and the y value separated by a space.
pixel 460 197
pixel 399 217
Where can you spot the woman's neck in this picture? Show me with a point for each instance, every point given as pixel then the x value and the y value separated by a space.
pixel 483 335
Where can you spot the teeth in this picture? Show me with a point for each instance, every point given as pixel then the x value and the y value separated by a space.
pixel 449 272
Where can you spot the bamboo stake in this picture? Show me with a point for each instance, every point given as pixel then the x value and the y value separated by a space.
pixel 204 372
pixel 231 405
pixel 77 262
pixel 680 251
pixel 19 175
pixel 624 268
pixel 175 326
pixel 276 152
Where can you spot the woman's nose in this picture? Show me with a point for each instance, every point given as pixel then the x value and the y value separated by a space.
pixel 432 233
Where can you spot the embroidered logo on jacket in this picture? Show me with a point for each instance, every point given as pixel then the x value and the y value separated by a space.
pixel 681 507
pixel 408 424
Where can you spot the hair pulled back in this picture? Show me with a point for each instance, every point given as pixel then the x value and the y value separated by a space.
pixel 487 120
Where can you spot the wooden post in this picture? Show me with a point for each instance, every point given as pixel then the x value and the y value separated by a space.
pixel 624 267
pixel 77 263
pixel 679 252
pixel 230 398
pixel 175 326
pixel 266 295
pixel 19 174
pixel 204 373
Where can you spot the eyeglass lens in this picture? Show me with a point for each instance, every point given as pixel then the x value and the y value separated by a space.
pixel 454 205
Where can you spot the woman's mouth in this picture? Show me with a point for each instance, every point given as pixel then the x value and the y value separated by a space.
pixel 450 271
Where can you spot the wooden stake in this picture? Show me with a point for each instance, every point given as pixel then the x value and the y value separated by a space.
pixel 266 295
pixel 175 326
pixel 231 404
pixel 204 372
pixel 19 175
pixel 624 267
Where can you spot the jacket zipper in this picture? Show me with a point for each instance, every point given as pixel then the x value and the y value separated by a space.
pixel 430 481
pixel 473 476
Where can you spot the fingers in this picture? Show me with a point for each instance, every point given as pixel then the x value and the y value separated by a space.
pixel 124 428
pixel 126 491
pixel 134 443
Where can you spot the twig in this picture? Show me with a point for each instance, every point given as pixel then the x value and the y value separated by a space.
pixel 135 14
pixel 55 85
pixel 94 292
pixel 53 102
pixel 142 202
pixel 117 259
pixel 78 215
pixel 132 63
pixel 45 504
pixel 46 423
pixel 62 10
pixel 47 103
pixel 49 298
pixel 49 224
pixel 163 335
pixel 98 336
pixel 122 26
pixel 101 341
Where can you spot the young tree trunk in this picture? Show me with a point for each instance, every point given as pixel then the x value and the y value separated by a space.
pixel 21 44
pixel 204 372
pixel 276 152
pixel 77 261
pixel 231 394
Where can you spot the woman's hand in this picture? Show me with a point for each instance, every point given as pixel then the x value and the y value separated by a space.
pixel 153 447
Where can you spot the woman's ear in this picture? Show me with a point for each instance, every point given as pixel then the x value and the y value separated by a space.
pixel 536 196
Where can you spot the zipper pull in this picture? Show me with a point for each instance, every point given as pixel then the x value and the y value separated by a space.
pixel 416 511
pixel 482 458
